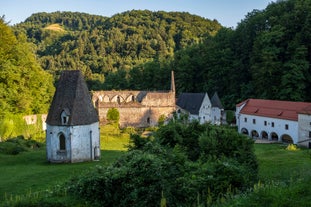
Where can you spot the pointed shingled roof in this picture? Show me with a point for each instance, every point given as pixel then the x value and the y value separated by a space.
pixel 191 102
pixel 72 97
pixel 215 100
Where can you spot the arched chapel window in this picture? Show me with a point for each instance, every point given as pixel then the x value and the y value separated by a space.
pixel 62 142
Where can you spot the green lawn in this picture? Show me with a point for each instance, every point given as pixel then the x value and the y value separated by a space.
pixel 29 172
pixel 285 179
pixel 278 164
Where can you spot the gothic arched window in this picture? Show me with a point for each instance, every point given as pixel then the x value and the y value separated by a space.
pixel 62 142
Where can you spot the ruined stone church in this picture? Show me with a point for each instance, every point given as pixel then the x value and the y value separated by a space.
pixel 136 108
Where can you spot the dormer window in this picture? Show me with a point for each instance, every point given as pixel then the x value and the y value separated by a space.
pixel 65 117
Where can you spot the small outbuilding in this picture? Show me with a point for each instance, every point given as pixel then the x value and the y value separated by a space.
pixel 72 125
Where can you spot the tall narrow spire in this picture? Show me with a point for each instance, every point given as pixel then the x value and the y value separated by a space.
pixel 172 82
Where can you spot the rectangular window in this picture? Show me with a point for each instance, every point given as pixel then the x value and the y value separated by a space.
pixel 286 126
pixel 309 134
pixel 272 124
pixel 245 119
pixel 254 121
pixel 265 123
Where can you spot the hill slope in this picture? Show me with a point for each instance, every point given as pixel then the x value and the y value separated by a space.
pixel 99 45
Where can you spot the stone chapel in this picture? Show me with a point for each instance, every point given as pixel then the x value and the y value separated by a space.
pixel 72 125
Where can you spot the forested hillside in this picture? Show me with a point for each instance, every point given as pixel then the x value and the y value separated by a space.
pixel 99 45
pixel 267 56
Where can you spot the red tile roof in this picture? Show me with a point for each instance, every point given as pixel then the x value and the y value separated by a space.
pixel 275 109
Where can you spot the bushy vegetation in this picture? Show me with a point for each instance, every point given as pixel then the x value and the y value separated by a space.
pixel 113 115
pixel 16 145
pixel 284 184
pixel 178 165
pixel 14 125
pixel 24 87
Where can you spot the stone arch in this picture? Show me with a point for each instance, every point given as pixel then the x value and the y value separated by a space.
pixel 106 99
pixel 100 98
pixel 274 136
pixel 117 99
pixel 244 131
pixel 264 135
pixel 287 139
pixel 62 141
pixel 254 134
pixel 130 98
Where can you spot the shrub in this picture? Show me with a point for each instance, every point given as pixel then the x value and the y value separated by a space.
pixel 185 165
pixel 113 115
pixel 18 144
pixel 136 179
pixel 161 120
pixel 292 147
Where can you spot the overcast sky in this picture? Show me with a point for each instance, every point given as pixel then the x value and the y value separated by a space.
pixel 227 12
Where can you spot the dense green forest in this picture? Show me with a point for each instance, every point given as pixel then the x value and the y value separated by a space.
pixel 266 56
pixel 99 46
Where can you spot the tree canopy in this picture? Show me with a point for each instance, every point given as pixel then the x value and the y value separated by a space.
pixel 99 46
pixel 24 87
pixel 266 56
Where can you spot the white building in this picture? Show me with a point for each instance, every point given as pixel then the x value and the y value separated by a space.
pixel 198 106
pixel 283 121
pixel 72 133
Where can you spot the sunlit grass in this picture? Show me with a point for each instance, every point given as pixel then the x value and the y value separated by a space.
pixel 112 138
pixel 55 27
pixel 30 172
pixel 276 163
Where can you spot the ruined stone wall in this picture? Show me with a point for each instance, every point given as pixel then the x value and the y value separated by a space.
pixel 136 108
pixel 137 116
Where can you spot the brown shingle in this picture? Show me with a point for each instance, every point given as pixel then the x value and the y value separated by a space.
pixel 72 94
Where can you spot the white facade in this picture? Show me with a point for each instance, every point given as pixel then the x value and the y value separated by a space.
pixel 282 121
pixel 267 128
pixel 218 116
pixel 304 130
pixel 73 143
pixel 205 112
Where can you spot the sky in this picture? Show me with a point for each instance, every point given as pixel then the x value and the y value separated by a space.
pixel 227 12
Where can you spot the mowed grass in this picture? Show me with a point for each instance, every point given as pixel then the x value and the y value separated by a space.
pixel 112 138
pixel 278 164
pixel 29 172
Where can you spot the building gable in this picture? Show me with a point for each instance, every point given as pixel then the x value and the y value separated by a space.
pixel 215 100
